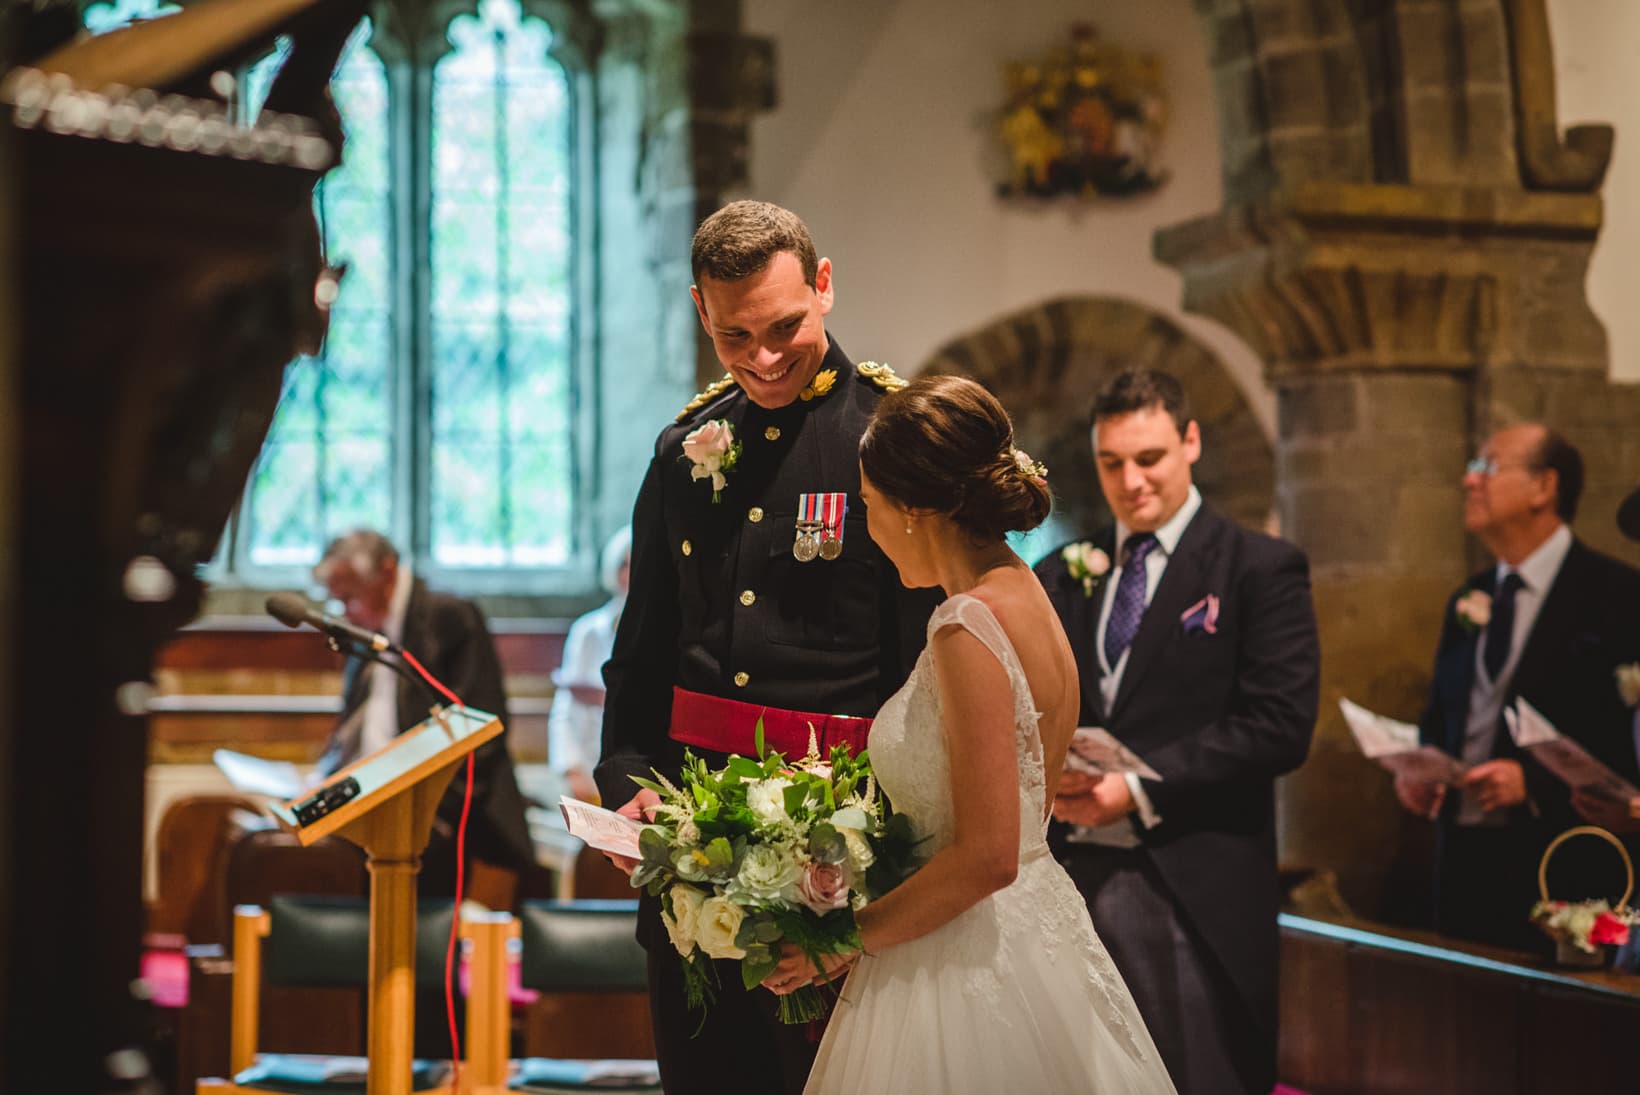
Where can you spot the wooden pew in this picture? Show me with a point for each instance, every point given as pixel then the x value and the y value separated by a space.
pixel 1373 1010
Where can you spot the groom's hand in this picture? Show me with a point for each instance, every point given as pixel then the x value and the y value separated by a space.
pixel 1105 800
pixel 639 807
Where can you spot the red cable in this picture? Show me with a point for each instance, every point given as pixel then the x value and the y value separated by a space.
pixel 461 864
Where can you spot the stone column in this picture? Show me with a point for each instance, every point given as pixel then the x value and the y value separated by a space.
pixel 1405 289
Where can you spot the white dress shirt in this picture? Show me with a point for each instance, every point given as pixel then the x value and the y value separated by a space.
pixel 575 729
pixel 1537 573
pixel 1119 833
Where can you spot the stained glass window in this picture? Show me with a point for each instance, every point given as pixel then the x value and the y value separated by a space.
pixel 500 477
pixel 447 424
pixel 327 464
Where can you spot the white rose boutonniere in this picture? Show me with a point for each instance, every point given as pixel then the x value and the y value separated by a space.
pixel 1628 683
pixel 1474 609
pixel 713 450
pixel 1086 563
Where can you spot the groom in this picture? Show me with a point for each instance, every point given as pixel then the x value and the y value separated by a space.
pixel 739 616
pixel 1195 641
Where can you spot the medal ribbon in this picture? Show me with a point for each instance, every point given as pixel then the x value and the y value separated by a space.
pixel 833 508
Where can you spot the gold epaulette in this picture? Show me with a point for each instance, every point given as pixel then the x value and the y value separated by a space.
pixel 881 375
pixel 713 390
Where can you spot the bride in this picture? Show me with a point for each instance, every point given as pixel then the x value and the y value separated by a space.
pixel 981 972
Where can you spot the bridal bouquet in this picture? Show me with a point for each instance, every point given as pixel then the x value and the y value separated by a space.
pixel 764 851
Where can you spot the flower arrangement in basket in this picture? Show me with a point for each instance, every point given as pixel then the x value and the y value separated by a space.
pixel 767 851
pixel 1581 928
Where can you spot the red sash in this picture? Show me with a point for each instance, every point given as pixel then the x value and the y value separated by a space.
pixel 730 726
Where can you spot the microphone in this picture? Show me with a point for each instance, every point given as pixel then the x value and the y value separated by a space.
pixel 293 610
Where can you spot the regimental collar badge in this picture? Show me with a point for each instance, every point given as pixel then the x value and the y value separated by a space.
pixel 819 386
pixel 820 526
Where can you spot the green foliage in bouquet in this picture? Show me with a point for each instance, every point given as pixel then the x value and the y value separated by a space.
pixel 766 851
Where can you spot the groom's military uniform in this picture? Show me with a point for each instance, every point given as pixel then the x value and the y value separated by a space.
pixel 766 601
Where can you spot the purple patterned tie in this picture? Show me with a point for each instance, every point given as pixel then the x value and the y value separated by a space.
pixel 1129 603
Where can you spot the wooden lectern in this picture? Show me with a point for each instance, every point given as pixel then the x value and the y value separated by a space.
pixel 385 803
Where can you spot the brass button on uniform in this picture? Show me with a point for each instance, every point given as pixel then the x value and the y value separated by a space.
pixel 747 597
pixel 688 548
pixel 755 514
pixel 741 679
pixel 771 433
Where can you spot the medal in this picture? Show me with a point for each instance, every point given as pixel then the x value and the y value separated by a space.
pixel 820 526
pixel 807 544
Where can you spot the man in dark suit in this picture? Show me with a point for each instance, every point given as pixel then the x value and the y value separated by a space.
pixel 448 635
pixel 756 594
pixel 1197 651
pixel 1550 623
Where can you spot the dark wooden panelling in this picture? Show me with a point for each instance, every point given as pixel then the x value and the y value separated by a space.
pixel 1392 1012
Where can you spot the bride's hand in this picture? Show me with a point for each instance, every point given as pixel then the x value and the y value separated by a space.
pixel 795 970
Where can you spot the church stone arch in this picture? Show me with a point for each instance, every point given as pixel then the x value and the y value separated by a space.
pixel 1046 363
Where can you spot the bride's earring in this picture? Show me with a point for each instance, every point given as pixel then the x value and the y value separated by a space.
pixel 908 528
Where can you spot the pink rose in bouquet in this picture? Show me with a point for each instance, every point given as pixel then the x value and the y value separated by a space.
pixel 823 887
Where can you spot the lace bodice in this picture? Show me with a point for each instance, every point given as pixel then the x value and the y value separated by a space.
pixel 908 744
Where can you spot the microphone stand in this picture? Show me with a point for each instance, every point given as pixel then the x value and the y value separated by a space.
pixel 353 648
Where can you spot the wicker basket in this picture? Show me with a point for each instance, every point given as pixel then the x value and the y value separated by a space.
pixel 1568 953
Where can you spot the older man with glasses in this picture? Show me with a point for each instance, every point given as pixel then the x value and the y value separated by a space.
pixel 1550 622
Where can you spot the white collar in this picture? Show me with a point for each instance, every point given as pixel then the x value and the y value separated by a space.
pixel 1537 571
pixel 1168 535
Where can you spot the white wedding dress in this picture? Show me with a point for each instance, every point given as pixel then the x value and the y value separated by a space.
pixel 1014 994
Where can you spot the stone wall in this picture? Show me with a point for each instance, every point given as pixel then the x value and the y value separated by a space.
pixel 1405 240
pixel 1046 363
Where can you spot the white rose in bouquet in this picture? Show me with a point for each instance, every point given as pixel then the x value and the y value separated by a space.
pixel 851 821
pixel 685 914
pixel 860 855
pixel 716 928
pixel 767 800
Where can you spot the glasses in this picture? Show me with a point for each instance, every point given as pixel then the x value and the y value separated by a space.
pixel 1488 466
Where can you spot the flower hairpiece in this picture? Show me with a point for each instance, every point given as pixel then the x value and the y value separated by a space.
pixel 1034 470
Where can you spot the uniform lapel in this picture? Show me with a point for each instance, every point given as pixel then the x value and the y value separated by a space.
pixel 1180 585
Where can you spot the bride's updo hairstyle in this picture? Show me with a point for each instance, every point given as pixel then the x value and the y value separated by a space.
pixel 944 443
